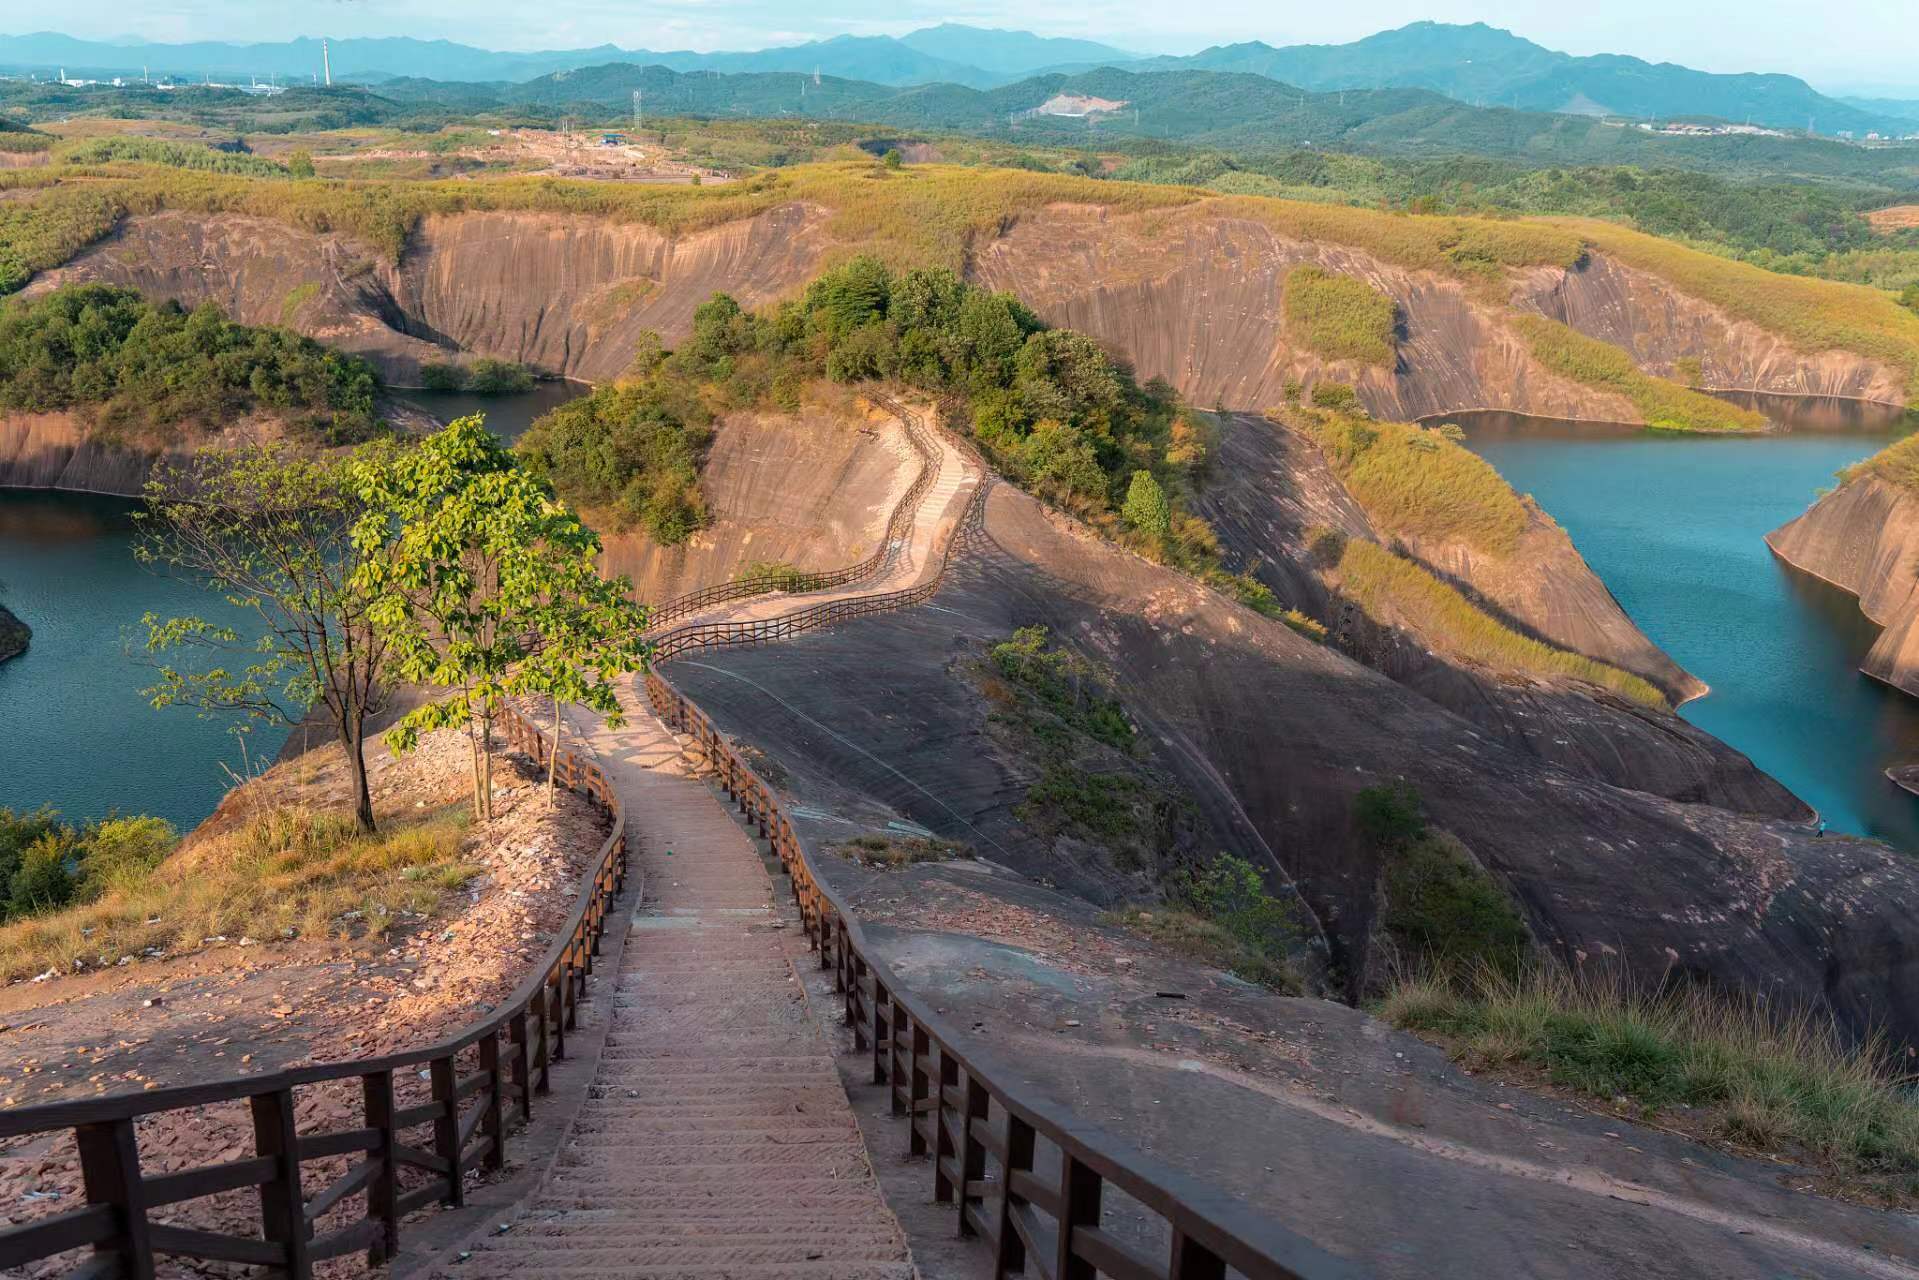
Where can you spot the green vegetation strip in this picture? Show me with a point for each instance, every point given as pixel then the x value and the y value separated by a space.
pixel 1418 483
pixel 1897 464
pixel 1339 317
pixel 1776 1084
pixel 1395 591
pixel 1664 405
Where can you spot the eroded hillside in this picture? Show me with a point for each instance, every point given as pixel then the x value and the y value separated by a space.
pixel 1189 289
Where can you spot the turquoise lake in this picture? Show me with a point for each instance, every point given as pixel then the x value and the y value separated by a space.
pixel 75 730
pixel 1675 526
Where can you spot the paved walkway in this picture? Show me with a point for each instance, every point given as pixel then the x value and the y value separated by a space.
pixel 717 1140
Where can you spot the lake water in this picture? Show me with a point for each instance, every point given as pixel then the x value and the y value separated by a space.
pixel 75 731
pixel 1675 526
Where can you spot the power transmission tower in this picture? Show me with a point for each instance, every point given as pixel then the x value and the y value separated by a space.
pixel 639 109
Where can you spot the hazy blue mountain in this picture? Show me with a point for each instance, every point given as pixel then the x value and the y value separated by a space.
pixel 1490 67
pixel 939 54
pixel 1901 108
pixel 1011 53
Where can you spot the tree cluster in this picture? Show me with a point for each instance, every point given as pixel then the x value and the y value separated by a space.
pixel 134 364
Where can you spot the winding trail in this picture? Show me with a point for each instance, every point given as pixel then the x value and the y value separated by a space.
pixel 717 1140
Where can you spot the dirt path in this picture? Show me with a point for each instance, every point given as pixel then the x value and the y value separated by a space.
pixel 717 1141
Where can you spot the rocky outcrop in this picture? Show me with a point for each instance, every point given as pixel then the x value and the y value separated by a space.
pixel 568 295
pixel 1636 310
pixel 812 490
pixel 14 635
pixel 1273 736
pixel 1863 537
pixel 59 451
pixel 1191 296
pixel 1271 486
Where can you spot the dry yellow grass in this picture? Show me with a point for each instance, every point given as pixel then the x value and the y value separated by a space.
pixel 287 869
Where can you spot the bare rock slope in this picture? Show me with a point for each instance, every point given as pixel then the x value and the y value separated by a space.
pixel 1271 487
pixel 1273 736
pixel 1864 538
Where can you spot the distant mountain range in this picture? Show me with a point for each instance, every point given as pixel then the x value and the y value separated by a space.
pixel 1239 111
pixel 1474 64
pixel 1489 67
pixel 974 56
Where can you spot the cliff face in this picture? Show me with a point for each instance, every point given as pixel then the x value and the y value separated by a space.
pixel 1640 312
pixel 1192 297
pixel 1271 487
pixel 57 451
pixel 1864 538
pixel 812 490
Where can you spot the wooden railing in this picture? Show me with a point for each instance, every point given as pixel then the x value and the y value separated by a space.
pixel 979 1129
pixel 898 526
pixel 430 1116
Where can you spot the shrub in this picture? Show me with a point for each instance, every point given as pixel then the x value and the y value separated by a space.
pixel 491 377
pixel 1339 317
pixel 1441 910
pixel 45 864
pixel 443 376
pixel 1146 508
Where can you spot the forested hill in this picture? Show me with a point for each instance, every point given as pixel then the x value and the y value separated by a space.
pixel 1210 108
pixel 1485 65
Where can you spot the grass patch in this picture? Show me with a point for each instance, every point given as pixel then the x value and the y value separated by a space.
pixel 1223 916
pixel 892 852
pixel 290 869
pixel 1394 591
pixel 1787 1085
pixel 297 298
pixel 1665 405
pixel 1896 464
pixel 1339 317
pixel 1417 482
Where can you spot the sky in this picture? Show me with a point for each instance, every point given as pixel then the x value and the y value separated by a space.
pixel 1837 44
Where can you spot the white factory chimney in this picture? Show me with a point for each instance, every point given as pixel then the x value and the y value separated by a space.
pixel 326 61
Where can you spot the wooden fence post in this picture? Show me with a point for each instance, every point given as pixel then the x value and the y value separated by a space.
pixel 1079 1196
pixel 493 1124
pixel 110 1170
pixel 522 1074
pixel 383 1192
pixel 1010 1255
pixel 979 1109
pixel 1192 1260
pixel 446 1129
pixel 282 1202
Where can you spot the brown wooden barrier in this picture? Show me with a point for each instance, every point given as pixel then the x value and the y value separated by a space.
pixel 898 525
pixel 1050 1227
pixel 482 1082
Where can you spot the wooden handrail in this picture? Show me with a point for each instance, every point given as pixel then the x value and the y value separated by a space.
pixel 514 1048
pixel 799 580
pixel 920 1058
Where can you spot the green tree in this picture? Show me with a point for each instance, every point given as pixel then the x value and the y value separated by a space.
pixel 469 561
pixel 269 530
pixel 1909 297
pixel 300 164
pixel 893 159
pixel 1146 508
